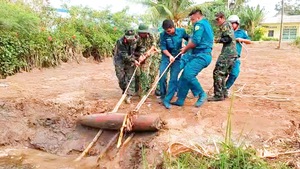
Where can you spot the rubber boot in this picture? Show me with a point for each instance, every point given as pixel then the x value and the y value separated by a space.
pixel 178 102
pixel 215 98
pixel 202 99
pixel 166 102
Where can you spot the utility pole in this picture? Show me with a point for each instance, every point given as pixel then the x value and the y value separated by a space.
pixel 228 4
pixel 281 25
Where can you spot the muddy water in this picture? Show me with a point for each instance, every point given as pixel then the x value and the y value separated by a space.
pixel 34 159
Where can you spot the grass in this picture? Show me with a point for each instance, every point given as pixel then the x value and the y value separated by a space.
pixel 144 158
pixel 230 156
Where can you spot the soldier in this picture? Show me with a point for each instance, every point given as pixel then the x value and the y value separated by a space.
pixel 148 59
pixel 201 44
pixel 241 37
pixel 125 61
pixel 225 60
pixel 170 44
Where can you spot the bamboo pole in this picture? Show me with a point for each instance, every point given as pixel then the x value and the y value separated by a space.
pixel 139 105
pixel 107 147
pixel 113 111
pixel 89 146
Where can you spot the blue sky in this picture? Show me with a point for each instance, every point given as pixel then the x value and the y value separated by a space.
pixel 117 5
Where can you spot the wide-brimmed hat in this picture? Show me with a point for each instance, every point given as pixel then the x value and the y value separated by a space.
pixel 143 29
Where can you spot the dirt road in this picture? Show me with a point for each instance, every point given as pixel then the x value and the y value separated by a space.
pixel 38 110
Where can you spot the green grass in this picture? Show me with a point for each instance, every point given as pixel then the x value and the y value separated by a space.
pixel 231 156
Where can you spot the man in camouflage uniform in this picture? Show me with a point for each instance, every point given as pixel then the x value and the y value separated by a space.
pixel 148 59
pixel 126 60
pixel 225 60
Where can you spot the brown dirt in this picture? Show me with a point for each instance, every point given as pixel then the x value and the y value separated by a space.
pixel 38 110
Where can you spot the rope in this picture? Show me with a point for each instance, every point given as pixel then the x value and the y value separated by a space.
pixel 244 47
pixel 127 122
pixel 153 86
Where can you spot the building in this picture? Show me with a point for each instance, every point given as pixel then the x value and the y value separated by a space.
pixel 291 27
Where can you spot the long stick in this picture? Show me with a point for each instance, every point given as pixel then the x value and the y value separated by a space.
pixel 113 111
pixel 284 153
pixel 139 105
pixel 124 94
pixel 154 85
pixel 122 131
pixel 89 146
pixel 107 146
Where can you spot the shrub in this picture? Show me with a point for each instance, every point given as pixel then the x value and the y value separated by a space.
pixel 258 33
pixel 297 41
pixel 269 39
pixel 34 35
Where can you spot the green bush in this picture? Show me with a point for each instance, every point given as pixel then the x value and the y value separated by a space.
pixel 297 41
pixel 258 33
pixel 39 37
pixel 10 51
pixel 269 39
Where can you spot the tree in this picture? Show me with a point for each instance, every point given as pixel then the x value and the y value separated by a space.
pixel 250 18
pixel 291 7
pixel 168 9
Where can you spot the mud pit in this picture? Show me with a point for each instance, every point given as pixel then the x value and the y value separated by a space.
pixel 38 112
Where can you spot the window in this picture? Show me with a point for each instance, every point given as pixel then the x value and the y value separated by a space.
pixel 271 33
pixel 289 34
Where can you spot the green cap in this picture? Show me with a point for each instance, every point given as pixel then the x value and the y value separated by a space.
pixel 143 29
pixel 129 34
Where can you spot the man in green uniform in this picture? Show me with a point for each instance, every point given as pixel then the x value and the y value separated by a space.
pixel 225 60
pixel 148 60
pixel 125 61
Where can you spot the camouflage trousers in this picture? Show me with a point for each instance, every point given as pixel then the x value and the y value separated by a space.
pixel 124 72
pixel 146 74
pixel 222 69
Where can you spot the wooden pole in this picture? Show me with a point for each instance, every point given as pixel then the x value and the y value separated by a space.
pixel 113 140
pixel 124 94
pixel 113 111
pixel 89 146
pixel 139 105
pixel 281 24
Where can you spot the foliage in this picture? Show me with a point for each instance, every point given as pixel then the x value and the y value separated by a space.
pixel 250 18
pixel 167 9
pixel 15 28
pixel 10 49
pixel 297 41
pixel 229 157
pixel 35 35
pixel 269 39
pixel 258 33
pixel 291 7
pixel 21 20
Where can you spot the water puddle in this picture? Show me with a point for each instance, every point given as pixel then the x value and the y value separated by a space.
pixel 33 159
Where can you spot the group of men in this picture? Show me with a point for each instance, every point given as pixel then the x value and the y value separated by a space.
pixel 139 52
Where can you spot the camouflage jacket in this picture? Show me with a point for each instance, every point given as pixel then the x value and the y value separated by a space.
pixel 226 36
pixel 127 52
pixel 144 44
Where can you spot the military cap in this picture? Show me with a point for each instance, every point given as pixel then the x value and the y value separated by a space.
pixel 129 34
pixel 219 15
pixel 143 29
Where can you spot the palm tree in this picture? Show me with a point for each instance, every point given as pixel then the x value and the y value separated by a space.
pixel 251 17
pixel 175 10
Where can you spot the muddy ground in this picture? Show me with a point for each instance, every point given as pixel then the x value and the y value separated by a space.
pixel 39 109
